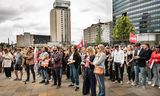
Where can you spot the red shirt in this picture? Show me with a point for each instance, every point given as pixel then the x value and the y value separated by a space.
pixel 156 57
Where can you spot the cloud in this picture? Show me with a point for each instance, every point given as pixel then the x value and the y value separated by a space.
pixel 10 9
pixel 7 14
pixel 85 14
pixel 17 19
pixel 33 16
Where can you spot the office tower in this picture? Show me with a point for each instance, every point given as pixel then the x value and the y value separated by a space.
pixel 60 22
pixel 144 14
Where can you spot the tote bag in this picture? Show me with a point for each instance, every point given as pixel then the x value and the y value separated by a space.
pixel 98 70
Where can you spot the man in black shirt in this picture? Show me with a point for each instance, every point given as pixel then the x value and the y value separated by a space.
pixel 140 64
pixel 148 55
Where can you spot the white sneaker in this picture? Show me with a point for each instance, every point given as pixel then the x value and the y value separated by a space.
pixel 159 87
pixel 149 82
pixel 153 85
pixel 128 82
pixel 121 82
pixel 115 82
pixel 133 84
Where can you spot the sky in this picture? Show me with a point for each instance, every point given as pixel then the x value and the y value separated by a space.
pixel 18 16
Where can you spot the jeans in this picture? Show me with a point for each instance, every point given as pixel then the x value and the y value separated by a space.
pixel 36 67
pixel 142 72
pixel 100 79
pixel 45 76
pixel 156 74
pixel 28 68
pixel 149 74
pixel 74 74
pixel 58 75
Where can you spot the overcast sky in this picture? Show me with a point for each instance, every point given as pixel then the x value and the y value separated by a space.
pixel 32 16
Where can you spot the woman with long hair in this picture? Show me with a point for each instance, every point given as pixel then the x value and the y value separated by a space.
pixel 129 65
pixel 67 54
pixel 155 65
pixel 74 62
pixel 89 82
pixel 99 63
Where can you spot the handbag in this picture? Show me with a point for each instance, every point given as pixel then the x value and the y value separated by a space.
pixel 99 70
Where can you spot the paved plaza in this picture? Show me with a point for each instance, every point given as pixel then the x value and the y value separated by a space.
pixel 9 87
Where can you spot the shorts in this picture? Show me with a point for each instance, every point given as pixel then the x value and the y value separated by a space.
pixel 18 67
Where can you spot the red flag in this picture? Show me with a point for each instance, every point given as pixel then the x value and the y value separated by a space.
pixel 132 38
pixel 81 44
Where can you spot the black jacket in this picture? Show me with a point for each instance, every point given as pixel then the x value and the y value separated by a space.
pixel 141 62
pixel 91 59
pixel 148 54
pixel 77 59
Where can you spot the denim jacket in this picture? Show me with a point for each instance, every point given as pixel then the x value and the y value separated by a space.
pixel 100 60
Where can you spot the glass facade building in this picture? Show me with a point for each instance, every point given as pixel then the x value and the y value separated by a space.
pixel 144 14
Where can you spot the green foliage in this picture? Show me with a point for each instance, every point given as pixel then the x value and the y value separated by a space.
pixel 123 28
pixel 99 35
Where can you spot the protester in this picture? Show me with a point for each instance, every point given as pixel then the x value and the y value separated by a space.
pixel 18 64
pixel 29 57
pixel 57 64
pixel 37 52
pixel 107 51
pixel 74 61
pixel 44 62
pixel 99 68
pixel 112 67
pixel 148 56
pixel 140 65
pixel 83 57
pixel 67 54
pixel 89 82
pixel 129 65
pixel 155 65
pixel 6 64
pixel 119 64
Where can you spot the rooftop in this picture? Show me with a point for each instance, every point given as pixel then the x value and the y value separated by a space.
pixel 61 3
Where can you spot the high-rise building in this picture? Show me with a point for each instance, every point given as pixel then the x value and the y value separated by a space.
pixel 144 14
pixel 60 22
pixel 90 33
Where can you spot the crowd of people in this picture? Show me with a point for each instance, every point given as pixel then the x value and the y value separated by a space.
pixel 94 63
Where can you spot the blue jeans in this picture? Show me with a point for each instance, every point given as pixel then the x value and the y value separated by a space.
pixel 36 67
pixel 149 74
pixel 156 74
pixel 100 79
pixel 74 74
pixel 142 72
pixel 45 75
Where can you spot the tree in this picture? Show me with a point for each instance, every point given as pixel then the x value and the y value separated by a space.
pixel 122 29
pixel 99 35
